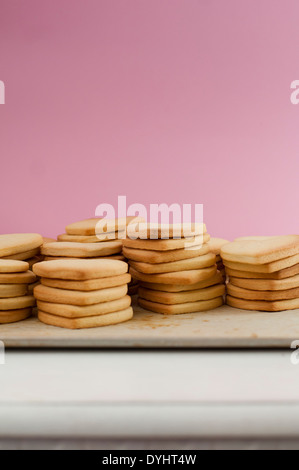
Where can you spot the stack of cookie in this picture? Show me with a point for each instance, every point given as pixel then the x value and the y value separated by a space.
pixel 91 238
pixel 15 302
pixel 215 245
pixel 263 273
pixel 176 270
pixel 78 293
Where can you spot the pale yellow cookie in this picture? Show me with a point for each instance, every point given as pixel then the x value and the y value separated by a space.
pixel 19 243
pixel 26 255
pixel 261 251
pixel 103 237
pixel 12 316
pixel 154 257
pixel 57 258
pixel 215 245
pixel 265 268
pixel 62 296
pixel 13 290
pixel 87 322
pixel 13 266
pixel 145 231
pixel 87 286
pixel 283 274
pixel 266 284
pixel 200 262
pixel 79 269
pixel 180 278
pixel 172 298
pixel 167 245
pixel 17 278
pixel 17 303
pixel 216 279
pixel 263 306
pixel 73 311
pixel 97 226
pixel 242 293
pixel 80 250
pixel 189 307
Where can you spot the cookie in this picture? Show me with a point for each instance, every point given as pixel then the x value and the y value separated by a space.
pixel 148 256
pixel 17 303
pixel 80 269
pixel 80 250
pixel 48 240
pixel 12 266
pixel 166 245
pixel 17 278
pixel 24 255
pixel 12 316
pixel 215 245
pixel 283 274
pixel 19 243
pixel 69 297
pixel 13 290
pixel 265 268
pixel 56 258
pixel 145 231
pixel 73 311
pixel 263 251
pixel 263 306
pixel 189 307
pixel 97 226
pixel 266 284
pixel 87 322
pixel 87 286
pixel 200 262
pixel 91 238
pixel 216 279
pixel 172 298
pixel 180 278
pixel 241 293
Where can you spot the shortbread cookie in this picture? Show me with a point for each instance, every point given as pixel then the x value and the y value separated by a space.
pixel 12 266
pixel 166 245
pixel 259 252
pixel 189 307
pixel 265 268
pixel 87 322
pixel 57 258
pixel 24 255
pixel 154 257
pixel 73 311
pixel 79 269
pixel 200 262
pixel 16 303
pixel 87 286
pixel 91 238
pixel 215 245
pixel 283 274
pixel 266 284
pixel 80 250
pixel 17 278
pixel 180 278
pixel 216 279
pixel 19 243
pixel 145 231
pixel 97 226
pixel 13 290
pixel 12 316
pixel 62 296
pixel 263 306
pixel 241 293
pixel 172 298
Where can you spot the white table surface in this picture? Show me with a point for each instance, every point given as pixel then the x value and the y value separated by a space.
pixel 150 394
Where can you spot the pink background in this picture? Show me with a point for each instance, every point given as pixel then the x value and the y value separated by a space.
pixel 182 101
